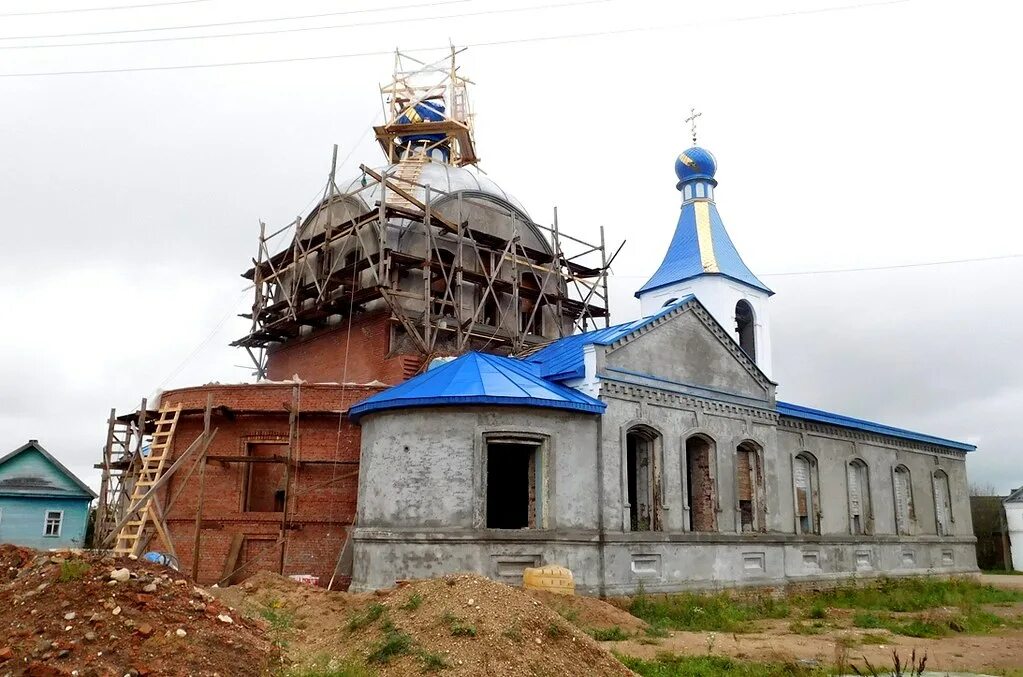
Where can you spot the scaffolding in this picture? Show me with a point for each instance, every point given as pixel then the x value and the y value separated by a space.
pixel 457 270
pixel 122 454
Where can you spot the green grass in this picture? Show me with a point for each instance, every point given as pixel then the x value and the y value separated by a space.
pixel 874 638
pixel 916 594
pixel 803 628
pixel 671 665
pixel 72 570
pixel 413 602
pixel 970 620
pixel 393 643
pixel 614 634
pixel 554 631
pixel 432 662
pixel 817 611
pixel 706 612
pixel 366 617
pixel 332 668
pixel 459 627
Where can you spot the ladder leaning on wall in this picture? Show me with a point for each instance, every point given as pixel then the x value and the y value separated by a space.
pixel 154 464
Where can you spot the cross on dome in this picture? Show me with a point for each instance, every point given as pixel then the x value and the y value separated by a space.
pixel 692 122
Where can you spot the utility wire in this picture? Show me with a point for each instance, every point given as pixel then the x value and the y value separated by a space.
pixel 379 22
pixel 365 10
pixel 900 266
pixel 103 9
pixel 493 43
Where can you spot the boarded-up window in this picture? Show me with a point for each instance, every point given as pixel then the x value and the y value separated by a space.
pixel 942 504
pixel 802 480
pixel 699 484
pixel 903 499
pixel 858 496
pixel 749 485
pixel 643 478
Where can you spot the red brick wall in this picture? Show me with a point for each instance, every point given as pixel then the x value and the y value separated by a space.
pixel 321 497
pixel 321 356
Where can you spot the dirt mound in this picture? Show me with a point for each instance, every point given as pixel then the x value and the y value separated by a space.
pixel 13 559
pixel 90 614
pixel 465 624
pixel 590 613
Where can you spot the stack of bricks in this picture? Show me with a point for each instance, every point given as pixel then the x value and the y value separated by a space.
pixel 321 496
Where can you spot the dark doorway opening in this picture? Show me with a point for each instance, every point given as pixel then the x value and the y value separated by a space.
pixel 639 452
pixel 699 484
pixel 745 327
pixel 264 478
pixel 512 497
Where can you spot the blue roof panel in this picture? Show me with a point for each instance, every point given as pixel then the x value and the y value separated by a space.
pixel 683 260
pixel 819 416
pixel 563 359
pixel 479 378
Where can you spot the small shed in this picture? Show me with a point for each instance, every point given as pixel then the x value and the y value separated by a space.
pixel 42 504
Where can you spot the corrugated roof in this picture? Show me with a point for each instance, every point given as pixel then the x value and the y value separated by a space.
pixel 819 416
pixel 686 258
pixel 479 378
pixel 563 359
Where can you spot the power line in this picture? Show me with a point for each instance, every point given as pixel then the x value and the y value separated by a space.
pixel 276 31
pixel 240 22
pixel 900 266
pixel 103 9
pixel 493 43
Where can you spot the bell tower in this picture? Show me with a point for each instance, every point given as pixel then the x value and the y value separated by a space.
pixel 701 260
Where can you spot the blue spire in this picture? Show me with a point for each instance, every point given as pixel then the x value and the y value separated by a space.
pixel 701 245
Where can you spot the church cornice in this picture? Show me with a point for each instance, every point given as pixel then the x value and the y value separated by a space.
pixel 898 443
pixel 675 400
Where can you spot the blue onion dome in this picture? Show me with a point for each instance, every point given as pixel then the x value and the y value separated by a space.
pixel 695 163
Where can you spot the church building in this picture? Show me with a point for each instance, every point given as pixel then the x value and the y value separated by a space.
pixel 651 453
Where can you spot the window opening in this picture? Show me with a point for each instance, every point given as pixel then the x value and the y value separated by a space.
pixel 942 504
pixel 804 470
pixel 53 522
pixel 859 497
pixel 699 484
pixel 749 480
pixel 264 479
pixel 641 479
pixel 903 499
pixel 514 485
pixel 745 327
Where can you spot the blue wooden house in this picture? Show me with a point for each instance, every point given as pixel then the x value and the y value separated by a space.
pixel 42 504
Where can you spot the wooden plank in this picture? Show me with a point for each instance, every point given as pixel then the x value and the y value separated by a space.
pixel 231 564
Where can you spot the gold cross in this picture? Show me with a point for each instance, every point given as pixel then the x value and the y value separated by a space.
pixel 692 122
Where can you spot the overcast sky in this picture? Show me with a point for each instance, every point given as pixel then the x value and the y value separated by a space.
pixel 873 135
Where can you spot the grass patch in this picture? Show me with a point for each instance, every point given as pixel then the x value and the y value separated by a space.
pixel 413 602
pixel 366 617
pixel 970 620
pixel 706 612
pixel 671 665
pixel 72 570
pixel 459 627
pixel 554 631
pixel 393 643
pixel 803 628
pixel 874 638
pixel 613 634
pixel 432 662
pixel 916 594
pixel 513 632
pixel 281 620
pixel 817 611
pixel 332 667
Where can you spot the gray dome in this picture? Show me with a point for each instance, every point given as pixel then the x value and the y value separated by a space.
pixel 440 177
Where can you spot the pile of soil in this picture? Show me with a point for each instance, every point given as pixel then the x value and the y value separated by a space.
pixel 468 624
pixel 590 613
pixel 92 614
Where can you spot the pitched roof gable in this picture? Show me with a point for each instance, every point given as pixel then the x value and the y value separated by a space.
pixel 33 444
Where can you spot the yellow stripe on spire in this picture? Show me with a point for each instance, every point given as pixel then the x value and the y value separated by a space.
pixel 705 238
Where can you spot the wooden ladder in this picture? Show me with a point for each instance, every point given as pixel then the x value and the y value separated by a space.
pixel 406 177
pixel 153 465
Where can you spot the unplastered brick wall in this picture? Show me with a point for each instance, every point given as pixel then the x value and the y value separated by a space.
pixel 321 356
pixel 321 496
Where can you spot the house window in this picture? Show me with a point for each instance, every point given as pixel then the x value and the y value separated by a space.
pixel 805 482
pixel 942 504
pixel 904 511
pixel 642 478
pixel 745 328
pixel 699 484
pixel 52 525
pixel 264 477
pixel 749 481
pixel 515 483
pixel 859 497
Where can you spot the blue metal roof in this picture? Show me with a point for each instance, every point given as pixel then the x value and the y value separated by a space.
pixel 479 378
pixel 807 414
pixel 695 163
pixel 563 359
pixel 701 246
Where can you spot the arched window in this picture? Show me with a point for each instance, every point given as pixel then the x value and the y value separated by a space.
pixel 749 485
pixel 805 484
pixel 643 478
pixel 530 317
pixel 942 503
pixel 701 500
pixel 745 327
pixel 859 497
pixel 903 486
